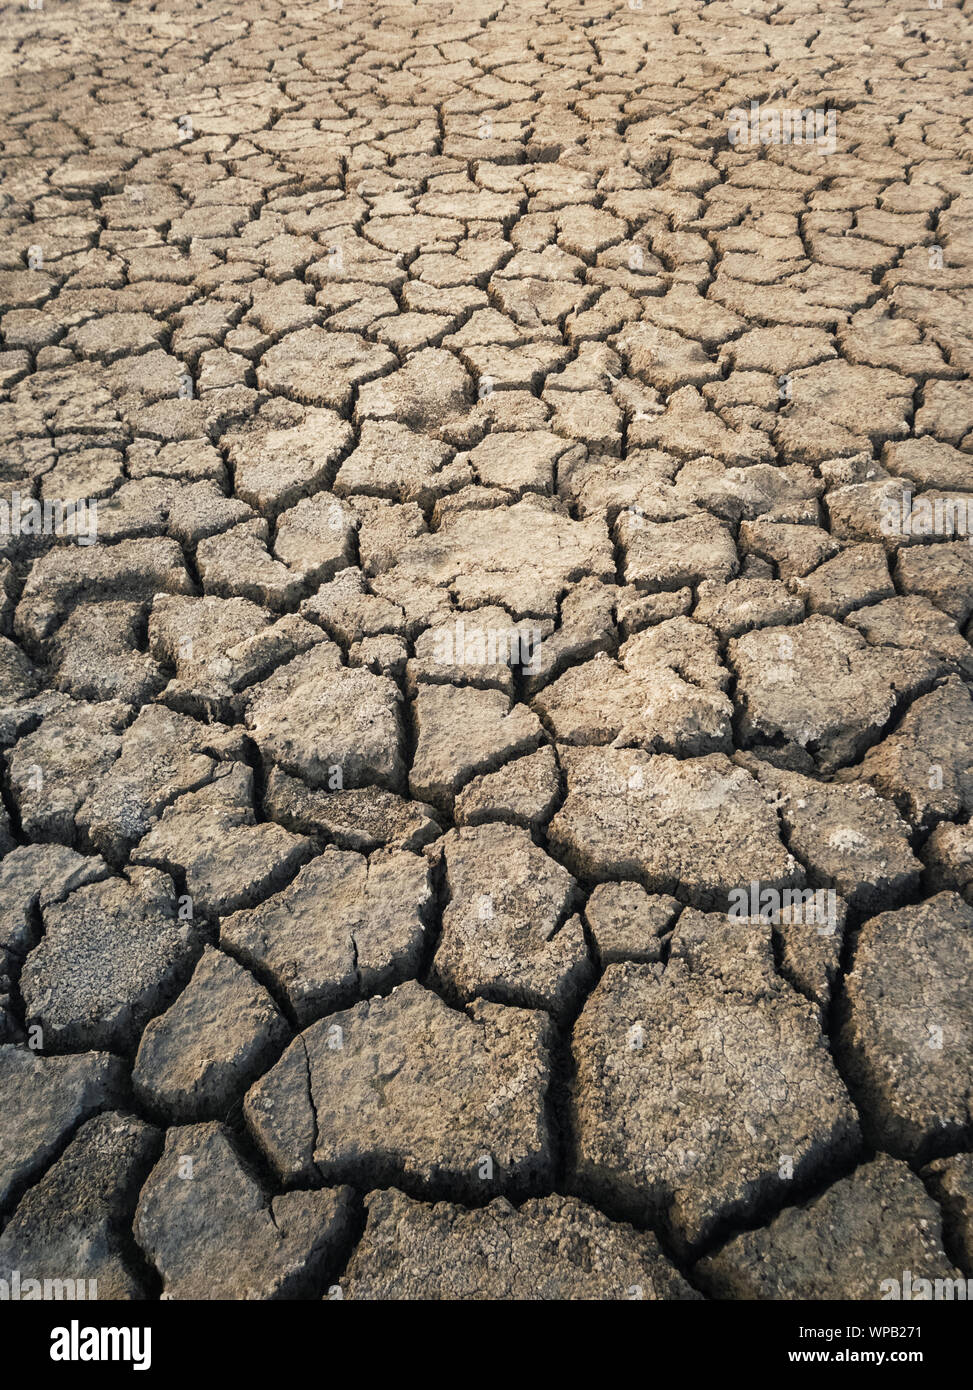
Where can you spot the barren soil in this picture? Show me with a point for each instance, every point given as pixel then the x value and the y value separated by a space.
pixel 486 594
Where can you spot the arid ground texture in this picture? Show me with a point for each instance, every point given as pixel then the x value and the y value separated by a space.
pixel 486 584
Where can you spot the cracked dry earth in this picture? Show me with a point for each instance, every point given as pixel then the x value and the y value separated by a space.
pixel 346 949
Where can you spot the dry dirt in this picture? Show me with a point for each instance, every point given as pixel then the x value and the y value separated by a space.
pixel 486 584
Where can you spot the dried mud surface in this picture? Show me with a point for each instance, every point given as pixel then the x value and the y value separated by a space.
pixel 486 802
